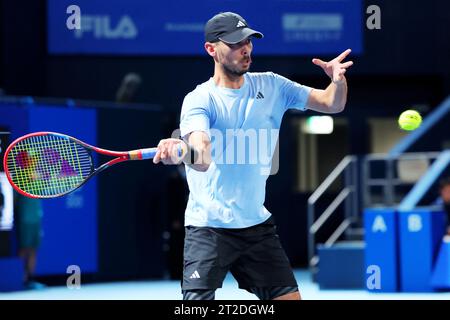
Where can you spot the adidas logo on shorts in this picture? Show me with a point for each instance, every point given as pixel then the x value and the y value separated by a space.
pixel 195 275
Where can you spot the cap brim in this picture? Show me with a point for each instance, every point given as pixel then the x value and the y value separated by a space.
pixel 241 34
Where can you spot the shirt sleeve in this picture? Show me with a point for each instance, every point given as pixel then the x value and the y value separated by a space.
pixel 195 114
pixel 294 94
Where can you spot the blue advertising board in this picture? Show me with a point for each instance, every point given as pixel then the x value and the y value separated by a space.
pixel 382 253
pixel 171 27
pixel 421 231
pixel 69 224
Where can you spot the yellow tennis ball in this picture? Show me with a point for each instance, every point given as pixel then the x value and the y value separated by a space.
pixel 409 120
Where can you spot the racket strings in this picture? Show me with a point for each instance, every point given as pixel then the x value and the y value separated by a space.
pixel 48 165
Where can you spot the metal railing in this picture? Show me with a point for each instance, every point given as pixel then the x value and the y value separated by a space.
pixel 426 181
pixel 348 168
pixel 391 179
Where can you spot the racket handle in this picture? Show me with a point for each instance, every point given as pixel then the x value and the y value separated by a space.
pixel 142 154
pixel 149 153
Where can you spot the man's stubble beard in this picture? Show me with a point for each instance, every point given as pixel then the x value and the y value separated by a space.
pixel 233 71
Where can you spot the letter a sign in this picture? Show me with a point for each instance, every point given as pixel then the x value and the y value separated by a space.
pixel 379 225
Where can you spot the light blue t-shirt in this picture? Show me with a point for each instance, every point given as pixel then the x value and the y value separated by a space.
pixel 243 126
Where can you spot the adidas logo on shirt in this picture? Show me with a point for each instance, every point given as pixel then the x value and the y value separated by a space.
pixel 240 24
pixel 259 95
pixel 195 275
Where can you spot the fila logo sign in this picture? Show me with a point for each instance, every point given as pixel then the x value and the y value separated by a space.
pixel 102 28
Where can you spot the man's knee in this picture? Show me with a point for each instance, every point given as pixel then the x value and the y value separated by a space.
pixel 276 293
pixel 289 296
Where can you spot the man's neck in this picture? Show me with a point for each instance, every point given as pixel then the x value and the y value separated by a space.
pixel 226 80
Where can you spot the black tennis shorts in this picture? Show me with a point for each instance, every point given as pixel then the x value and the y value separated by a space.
pixel 253 255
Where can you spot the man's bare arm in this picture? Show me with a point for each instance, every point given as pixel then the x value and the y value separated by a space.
pixel 334 97
pixel 198 156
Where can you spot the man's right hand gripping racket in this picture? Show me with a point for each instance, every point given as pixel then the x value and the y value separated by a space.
pixel 50 165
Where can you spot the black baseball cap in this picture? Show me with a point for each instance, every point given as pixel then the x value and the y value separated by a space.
pixel 230 28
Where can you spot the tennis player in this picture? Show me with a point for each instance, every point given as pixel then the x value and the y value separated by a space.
pixel 227 226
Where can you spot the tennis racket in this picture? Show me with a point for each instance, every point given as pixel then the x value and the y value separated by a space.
pixel 50 164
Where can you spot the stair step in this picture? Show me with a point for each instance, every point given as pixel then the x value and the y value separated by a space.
pixel 341 266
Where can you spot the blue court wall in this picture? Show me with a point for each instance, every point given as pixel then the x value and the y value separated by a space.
pixel 382 249
pixel 401 248
pixel 69 223
pixel 420 234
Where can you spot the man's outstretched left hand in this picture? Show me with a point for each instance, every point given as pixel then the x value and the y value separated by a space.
pixel 335 69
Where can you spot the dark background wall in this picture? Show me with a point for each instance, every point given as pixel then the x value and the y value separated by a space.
pixel 405 63
pixel 411 47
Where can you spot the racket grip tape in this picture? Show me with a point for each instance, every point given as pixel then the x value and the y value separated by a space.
pixel 149 153
pixel 142 154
